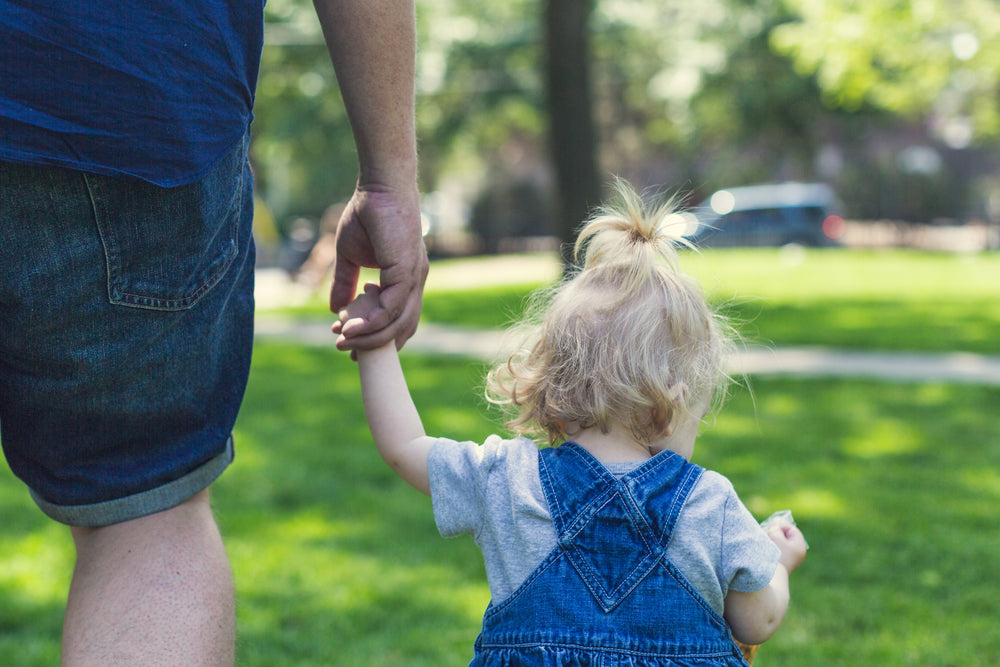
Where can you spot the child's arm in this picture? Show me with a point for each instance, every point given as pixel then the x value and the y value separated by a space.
pixel 392 418
pixel 754 617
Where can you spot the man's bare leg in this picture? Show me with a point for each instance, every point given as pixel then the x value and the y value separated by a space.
pixel 154 591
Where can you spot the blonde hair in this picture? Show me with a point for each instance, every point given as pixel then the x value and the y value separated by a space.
pixel 628 338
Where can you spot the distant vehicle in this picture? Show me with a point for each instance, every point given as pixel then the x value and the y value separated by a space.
pixel 767 215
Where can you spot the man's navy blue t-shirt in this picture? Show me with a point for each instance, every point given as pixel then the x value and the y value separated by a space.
pixel 155 89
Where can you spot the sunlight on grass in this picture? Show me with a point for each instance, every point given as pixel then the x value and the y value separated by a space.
pixel 307 578
pixel 38 565
pixel 844 273
pixel 806 503
pixel 338 562
pixel 983 481
pixel 884 437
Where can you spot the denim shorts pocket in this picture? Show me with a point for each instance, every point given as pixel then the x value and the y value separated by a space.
pixel 167 247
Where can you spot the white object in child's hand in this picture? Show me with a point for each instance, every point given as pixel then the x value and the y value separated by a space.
pixel 780 518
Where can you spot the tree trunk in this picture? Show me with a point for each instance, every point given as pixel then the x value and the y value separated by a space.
pixel 571 128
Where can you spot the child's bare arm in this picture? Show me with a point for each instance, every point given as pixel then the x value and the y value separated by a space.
pixel 755 617
pixel 392 418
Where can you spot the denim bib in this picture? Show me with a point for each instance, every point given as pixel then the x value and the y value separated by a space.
pixel 606 594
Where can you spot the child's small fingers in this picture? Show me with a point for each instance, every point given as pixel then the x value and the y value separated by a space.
pixel 776 532
pixel 348 326
pixel 793 534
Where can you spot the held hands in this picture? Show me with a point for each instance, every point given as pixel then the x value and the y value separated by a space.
pixel 380 228
pixel 356 315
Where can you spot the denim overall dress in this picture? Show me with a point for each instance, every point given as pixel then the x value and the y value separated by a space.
pixel 606 595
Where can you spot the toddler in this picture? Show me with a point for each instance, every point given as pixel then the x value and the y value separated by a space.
pixel 610 548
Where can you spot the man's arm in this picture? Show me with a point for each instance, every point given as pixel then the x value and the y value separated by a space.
pixel 373 49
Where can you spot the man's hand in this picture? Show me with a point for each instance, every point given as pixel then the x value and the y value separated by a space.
pixel 380 228
pixel 373 50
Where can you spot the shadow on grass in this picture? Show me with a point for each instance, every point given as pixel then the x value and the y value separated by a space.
pixel 870 324
pixel 896 488
pixel 339 563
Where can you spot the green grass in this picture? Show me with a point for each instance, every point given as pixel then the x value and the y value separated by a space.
pixel 338 562
pixel 858 299
pixel 841 298
pixel 854 299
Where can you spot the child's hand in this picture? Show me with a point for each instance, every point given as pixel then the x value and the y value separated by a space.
pixel 357 312
pixel 791 543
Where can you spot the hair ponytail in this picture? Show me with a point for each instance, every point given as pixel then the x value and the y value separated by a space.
pixel 630 238
pixel 628 338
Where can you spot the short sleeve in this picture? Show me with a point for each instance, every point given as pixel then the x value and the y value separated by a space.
pixel 493 492
pixel 749 557
pixel 456 470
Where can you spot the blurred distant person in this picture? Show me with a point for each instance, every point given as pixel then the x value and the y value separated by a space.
pixel 126 283
pixel 323 254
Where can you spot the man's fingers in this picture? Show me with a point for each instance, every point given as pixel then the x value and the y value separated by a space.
pixel 345 284
pixel 395 319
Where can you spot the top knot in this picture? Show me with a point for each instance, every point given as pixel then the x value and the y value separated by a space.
pixel 629 230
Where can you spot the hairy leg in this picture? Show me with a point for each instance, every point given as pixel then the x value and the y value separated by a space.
pixel 154 591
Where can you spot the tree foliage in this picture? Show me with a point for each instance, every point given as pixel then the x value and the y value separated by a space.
pixel 303 149
pixel 691 95
pixel 939 57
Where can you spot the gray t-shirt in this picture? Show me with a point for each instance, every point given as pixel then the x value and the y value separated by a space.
pixel 493 491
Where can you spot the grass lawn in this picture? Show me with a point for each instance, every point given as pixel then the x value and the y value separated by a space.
pixel 889 300
pixel 339 563
pixel 857 299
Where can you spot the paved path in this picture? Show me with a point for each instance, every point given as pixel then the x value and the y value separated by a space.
pixel 796 361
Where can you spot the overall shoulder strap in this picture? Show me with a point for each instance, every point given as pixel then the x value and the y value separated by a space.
pixel 602 527
pixel 573 482
pixel 662 489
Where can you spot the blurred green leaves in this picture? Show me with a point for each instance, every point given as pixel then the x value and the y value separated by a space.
pixel 697 94
pixel 940 56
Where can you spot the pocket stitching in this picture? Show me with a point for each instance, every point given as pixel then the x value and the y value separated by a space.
pixel 121 297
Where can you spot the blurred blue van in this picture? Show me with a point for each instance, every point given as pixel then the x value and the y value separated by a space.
pixel 767 215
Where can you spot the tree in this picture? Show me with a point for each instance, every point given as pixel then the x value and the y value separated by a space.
pixel 934 57
pixel 303 147
pixel 571 126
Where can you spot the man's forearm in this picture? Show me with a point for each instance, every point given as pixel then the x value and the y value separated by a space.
pixel 373 48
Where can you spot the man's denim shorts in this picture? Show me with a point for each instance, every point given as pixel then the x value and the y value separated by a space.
pixel 126 325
